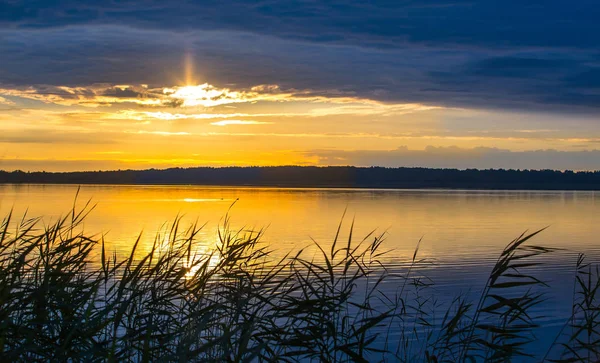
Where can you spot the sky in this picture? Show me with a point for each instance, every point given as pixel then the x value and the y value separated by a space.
pixel 89 85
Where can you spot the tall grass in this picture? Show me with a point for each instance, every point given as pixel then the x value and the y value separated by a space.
pixel 60 300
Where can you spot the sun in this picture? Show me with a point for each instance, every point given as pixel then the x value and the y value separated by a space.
pixel 204 95
pixel 194 93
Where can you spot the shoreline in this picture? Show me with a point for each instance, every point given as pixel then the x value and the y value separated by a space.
pixel 338 177
pixel 313 187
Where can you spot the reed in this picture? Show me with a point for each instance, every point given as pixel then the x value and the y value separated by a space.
pixel 64 297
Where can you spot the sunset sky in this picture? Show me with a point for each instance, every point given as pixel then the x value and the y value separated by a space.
pixel 442 83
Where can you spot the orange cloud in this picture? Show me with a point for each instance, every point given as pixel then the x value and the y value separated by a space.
pixel 239 122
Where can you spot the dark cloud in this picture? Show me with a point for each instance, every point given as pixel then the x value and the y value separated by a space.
pixel 122 93
pixel 535 55
pixel 540 23
pixel 455 157
pixel 522 67
pixel 587 79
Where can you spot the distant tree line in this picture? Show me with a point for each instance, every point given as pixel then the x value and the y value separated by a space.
pixel 342 176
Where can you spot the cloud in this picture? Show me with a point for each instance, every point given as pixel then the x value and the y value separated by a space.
pixel 463 158
pixel 376 23
pixel 392 50
pixel 515 66
pixel 5 101
pixel 89 96
pixel 124 92
pixel 239 122
pixel 170 116
pixel 161 133
pixel 49 136
pixel 442 53
pixel 204 96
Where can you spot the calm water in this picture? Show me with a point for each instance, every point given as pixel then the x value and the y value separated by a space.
pixel 462 231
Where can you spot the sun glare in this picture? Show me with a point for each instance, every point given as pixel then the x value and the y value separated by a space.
pixel 203 95
pixel 189 69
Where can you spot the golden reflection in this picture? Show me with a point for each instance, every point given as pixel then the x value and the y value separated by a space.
pixel 198 259
pixel 454 225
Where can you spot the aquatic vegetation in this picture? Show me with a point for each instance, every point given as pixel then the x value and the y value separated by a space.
pixel 63 296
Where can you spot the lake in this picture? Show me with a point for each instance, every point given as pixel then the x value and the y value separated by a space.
pixel 461 232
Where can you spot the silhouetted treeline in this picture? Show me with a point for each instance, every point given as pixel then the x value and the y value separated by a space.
pixel 295 176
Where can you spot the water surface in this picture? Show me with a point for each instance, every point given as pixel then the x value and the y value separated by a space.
pixel 462 232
